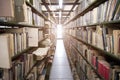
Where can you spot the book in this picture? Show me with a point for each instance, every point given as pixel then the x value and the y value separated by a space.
pixel 116 37
pixel 99 37
pixel 117 14
pixel 6 50
pixel 29 62
pixel 32 37
pixel 116 10
pixel 94 19
pixel 112 8
pixel 7 8
pixel 116 72
pixel 20 9
pixel 33 74
pixel 40 35
pixel 41 52
pixel 20 39
pixel 29 15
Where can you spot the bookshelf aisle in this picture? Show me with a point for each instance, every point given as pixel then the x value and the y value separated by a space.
pixel 92 39
pixel 25 47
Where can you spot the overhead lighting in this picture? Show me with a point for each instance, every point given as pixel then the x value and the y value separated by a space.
pixel 60 4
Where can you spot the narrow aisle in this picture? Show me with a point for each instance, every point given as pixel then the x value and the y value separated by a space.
pixel 60 68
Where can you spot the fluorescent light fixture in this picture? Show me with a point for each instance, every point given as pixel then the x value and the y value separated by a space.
pixel 60 4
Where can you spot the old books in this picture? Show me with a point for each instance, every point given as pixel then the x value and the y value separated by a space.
pixel 41 53
pixel 20 39
pixel 7 8
pixel 6 50
pixel 32 37
pixel 116 36
pixel 20 11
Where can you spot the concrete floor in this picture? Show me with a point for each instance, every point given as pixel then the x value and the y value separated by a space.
pixel 60 68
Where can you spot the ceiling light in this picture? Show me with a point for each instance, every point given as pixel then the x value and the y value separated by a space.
pixel 60 4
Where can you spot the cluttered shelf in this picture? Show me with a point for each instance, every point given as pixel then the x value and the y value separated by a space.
pixel 89 8
pixel 107 54
pixel 37 62
pixel 36 11
pixel 27 50
pixel 87 62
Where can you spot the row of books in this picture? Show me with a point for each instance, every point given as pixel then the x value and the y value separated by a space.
pixel 71 59
pixel 33 74
pixel 108 11
pixel 103 38
pixel 17 40
pixel 25 67
pixel 105 69
pixel 83 4
pixel 19 68
pixel 83 69
pixel 77 60
pixel 18 11
pixel 36 4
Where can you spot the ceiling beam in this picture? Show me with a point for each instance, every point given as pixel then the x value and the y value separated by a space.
pixel 58 11
pixel 74 4
pixel 48 9
pixel 62 14
pixel 58 3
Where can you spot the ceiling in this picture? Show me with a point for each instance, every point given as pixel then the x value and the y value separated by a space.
pixel 52 7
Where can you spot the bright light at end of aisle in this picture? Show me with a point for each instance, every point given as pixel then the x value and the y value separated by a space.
pixel 59 31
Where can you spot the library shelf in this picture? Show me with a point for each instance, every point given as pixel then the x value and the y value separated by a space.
pixel 109 56
pixel 36 63
pixel 29 49
pixel 115 22
pixel 11 24
pixel 38 12
pixel 89 8
pixel 83 72
pixel 71 62
pixel 20 53
pixel 39 74
pixel 35 10
pixel 87 62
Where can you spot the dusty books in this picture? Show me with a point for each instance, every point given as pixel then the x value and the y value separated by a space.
pixel 7 8
pixel 32 37
pixel 20 39
pixel 116 37
pixel 6 50
pixel 20 9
